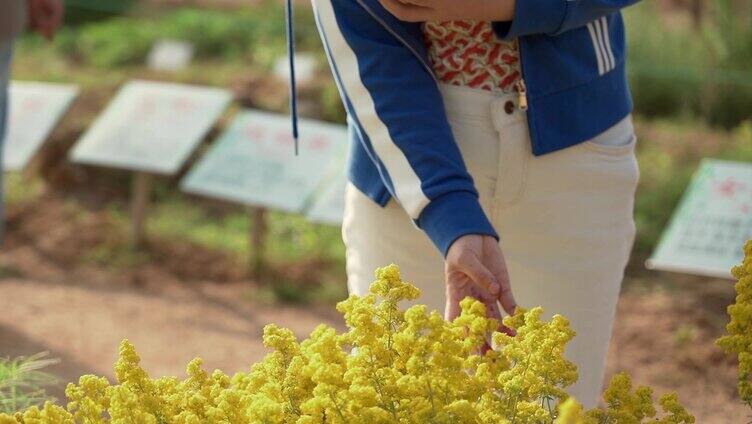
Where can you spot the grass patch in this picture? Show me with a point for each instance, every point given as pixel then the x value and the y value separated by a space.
pixel 304 261
pixel 19 190
pixel 120 256
pixel 290 238
pixel 23 381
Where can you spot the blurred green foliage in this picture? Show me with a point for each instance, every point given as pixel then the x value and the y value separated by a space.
pixel 680 70
pixel 81 11
pixel 676 69
pixel 253 34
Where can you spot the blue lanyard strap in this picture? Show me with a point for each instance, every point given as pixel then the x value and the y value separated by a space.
pixel 291 57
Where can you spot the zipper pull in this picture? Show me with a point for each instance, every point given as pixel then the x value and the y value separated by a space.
pixel 522 91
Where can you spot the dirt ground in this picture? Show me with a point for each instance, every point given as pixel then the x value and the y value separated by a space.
pixel 182 304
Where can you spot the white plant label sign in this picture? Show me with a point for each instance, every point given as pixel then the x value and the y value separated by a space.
pixel 329 207
pixel 151 127
pixel 713 221
pixel 306 65
pixel 253 162
pixel 34 110
pixel 170 55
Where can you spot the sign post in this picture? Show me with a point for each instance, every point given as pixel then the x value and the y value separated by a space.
pixel 252 163
pixel 258 241
pixel 140 198
pixel 712 222
pixel 150 128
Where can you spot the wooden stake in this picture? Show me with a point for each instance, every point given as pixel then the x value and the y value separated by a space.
pixel 258 241
pixel 140 198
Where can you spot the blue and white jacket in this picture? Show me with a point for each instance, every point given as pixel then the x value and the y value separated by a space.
pixel 573 83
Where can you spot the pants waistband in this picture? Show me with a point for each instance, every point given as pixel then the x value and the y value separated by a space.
pixel 486 108
pixel 497 110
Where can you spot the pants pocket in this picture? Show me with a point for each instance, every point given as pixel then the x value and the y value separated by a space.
pixel 617 149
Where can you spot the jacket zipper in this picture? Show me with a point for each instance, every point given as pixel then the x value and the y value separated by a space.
pixel 521 86
pixel 522 93
pixel 523 100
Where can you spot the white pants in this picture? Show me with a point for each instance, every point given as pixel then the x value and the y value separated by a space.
pixel 565 222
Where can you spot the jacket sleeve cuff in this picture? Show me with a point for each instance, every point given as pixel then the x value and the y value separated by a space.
pixel 452 216
pixel 532 17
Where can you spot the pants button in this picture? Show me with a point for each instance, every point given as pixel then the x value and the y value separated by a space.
pixel 509 107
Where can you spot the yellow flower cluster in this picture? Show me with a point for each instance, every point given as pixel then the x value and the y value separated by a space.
pixel 392 366
pixel 624 406
pixel 739 338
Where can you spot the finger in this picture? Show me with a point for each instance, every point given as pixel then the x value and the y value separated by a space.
pixel 452 309
pixel 407 12
pixel 33 14
pixel 431 4
pixel 506 297
pixel 46 28
pixel 41 20
pixel 502 328
pixel 508 331
pixel 481 277
pixel 56 17
pixel 47 5
pixel 498 267
pixel 492 310
pixel 495 313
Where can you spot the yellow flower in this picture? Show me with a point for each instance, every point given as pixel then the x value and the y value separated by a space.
pixel 391 367
pixel 570 412
pixel 625 406
pixel 739 338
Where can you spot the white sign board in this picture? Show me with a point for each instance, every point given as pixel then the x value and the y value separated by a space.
pixel 329 207
pixel 306 65
pixel 254 163
pixel 711 224
pixel 151 127
pixel 34 110
pixel 170 55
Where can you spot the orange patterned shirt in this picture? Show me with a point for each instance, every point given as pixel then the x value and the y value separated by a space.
pixel 468 53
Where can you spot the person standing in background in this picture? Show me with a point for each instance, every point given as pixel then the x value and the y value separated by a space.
pixel 44 17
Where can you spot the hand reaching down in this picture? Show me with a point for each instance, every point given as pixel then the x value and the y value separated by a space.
pixel 475 267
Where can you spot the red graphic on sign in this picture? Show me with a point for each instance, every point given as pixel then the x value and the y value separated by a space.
pixel 729 188
pixel 735 191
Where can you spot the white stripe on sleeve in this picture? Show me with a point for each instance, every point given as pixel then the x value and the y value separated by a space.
pixel 407 184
